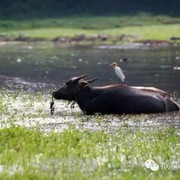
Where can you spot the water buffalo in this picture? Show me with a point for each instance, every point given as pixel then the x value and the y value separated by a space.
pixel 115 99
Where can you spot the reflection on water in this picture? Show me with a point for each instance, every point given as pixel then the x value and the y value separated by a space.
pixel 49 65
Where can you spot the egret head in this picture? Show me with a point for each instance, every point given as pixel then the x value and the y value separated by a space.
pixel 114 64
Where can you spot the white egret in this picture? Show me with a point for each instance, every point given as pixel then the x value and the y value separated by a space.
pixel 118 71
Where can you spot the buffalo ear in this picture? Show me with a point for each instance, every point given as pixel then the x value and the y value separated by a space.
pixel 82 84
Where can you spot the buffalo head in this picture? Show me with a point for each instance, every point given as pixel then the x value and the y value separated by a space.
pixel 72 87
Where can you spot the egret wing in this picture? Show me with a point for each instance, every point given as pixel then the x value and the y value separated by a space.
pixel 119 73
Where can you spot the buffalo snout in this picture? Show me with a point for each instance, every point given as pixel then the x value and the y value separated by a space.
pixel 57 95
pixel 64 94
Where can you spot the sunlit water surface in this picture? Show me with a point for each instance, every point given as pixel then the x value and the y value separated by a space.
pixel 50 64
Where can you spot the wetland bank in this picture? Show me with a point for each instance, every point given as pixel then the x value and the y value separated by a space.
pixel 36 145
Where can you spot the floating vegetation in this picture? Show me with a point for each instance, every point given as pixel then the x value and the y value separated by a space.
pixel 33 109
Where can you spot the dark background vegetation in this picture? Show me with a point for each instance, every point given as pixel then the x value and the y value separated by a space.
pixel 55 8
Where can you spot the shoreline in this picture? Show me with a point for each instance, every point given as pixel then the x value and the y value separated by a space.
pixel 103 41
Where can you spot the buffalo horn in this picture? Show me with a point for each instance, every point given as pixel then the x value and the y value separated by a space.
pixel 92 80
pixel 79 77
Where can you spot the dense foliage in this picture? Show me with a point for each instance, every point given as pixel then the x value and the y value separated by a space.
pixel 34 8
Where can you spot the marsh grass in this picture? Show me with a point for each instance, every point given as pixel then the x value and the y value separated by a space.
pixel 69 145
pixel 141 26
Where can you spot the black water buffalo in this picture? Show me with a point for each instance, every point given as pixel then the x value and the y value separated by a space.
pixel 115 99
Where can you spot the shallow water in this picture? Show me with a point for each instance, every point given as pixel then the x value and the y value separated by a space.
pixel 31 110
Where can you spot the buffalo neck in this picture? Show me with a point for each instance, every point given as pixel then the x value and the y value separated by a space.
pixel 86 95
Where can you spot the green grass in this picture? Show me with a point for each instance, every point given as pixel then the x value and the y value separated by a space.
pixel 68 145
pixel 141 26
pixel 31 154
pixel 91 22
pixel 159 32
